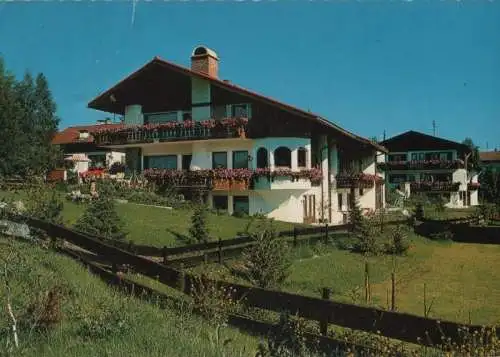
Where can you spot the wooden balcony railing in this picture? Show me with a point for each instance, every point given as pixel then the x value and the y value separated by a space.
pixel 434 186
pixel 421 165
pixel 172 131
pixel 357 180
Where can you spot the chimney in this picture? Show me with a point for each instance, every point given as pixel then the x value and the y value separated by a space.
pixel 205 60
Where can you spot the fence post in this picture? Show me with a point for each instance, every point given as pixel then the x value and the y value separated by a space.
pixel 294 236
pixel 323 324
pixel 367 283
pixel 326 233
pixel 220 251
pixel 393 293
pixel 182 279
pixel 164 255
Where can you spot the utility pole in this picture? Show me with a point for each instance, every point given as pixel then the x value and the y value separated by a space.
pixel 384 134
pixel 434 128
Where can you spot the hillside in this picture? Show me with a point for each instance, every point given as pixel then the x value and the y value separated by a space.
pixel 95 320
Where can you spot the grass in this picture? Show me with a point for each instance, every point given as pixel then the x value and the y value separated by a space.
pixel 159 226
pixel 97 320
pixel 460 279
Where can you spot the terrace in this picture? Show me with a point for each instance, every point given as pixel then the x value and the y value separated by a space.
pixel 360 180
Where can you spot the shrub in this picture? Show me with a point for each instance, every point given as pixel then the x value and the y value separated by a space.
pixel 117 167
pixel 199 230
pixel 398 241
pixel 445 235
pixel 101 219
pixel 267 262
pixel 215 303
pixel 45 312
pixel 487 210
pixel 287 339
pixel 44 203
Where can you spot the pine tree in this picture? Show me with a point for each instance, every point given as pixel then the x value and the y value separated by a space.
pixel 28 123
pixel 199 230
pixel 101 219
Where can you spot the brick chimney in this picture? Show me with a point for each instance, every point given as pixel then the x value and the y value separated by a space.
pixel 205 60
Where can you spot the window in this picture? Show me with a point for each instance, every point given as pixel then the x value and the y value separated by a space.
pixel 414 157
pixel 421 156
pixel 186 161
pixel 160 162
pixel 411 178
pixel 219 160
pixel 240 204
pixel 240 159
pixel 443 156
pixel 161 117
pixel 361 192
pixel 220 202
pixel 97 161
pixel 397 178
pixel 283 157
pixel 239 110
pixel 349 198
pixel 301 157
pixel 262 158
pixel 339 201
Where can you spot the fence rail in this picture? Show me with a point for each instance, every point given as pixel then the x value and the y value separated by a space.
pixel 402 326
pixel 251 325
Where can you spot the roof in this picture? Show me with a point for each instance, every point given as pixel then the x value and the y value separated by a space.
pixel 71 134
pixel 94 103
pixel 415 141
pixel 489 156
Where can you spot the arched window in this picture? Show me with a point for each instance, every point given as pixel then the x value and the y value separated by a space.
pixel 262 158
pixel 283 157
pixel 301 157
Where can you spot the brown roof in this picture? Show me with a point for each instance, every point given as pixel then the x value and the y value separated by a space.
pixel 71 134
pixel 489 156
pixel 94 103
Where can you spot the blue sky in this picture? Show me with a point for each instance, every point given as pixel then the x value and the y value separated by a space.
pixel 367 66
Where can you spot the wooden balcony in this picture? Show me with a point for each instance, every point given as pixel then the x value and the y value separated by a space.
pixel 173 131
pixel 434 186
pixel 357 180
pixel 421 165
pixel 229 185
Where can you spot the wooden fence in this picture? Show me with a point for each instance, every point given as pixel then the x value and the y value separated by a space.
pixel 251 325
pixel 405 327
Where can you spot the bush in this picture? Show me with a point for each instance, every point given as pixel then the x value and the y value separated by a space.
pixel 266 263
pixel 487 210
pixel 101 219
pixel 44 203
pixel 287 339
pixel 199 230
pixel 117 167
pixel 445 235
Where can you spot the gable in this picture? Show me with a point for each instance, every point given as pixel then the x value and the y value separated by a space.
pixel 416 141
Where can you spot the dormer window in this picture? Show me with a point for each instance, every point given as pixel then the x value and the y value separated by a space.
pixel 83 134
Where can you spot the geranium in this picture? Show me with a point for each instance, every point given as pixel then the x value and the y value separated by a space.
pixel 210 123
pixel 188 124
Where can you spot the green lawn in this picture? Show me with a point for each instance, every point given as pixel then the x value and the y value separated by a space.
pixel 460 278
pixel 97 320
pixel 159 226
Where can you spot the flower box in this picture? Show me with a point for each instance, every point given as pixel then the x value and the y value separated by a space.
pixel 239 185
pixel 221 185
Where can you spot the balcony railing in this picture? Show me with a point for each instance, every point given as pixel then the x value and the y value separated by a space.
pixel 227 179
pixel 358 180
pixel 434 186
pixel 171 131
pixel 421 165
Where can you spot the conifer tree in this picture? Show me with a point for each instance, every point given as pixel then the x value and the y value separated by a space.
pixel 101 219
pixel 199 229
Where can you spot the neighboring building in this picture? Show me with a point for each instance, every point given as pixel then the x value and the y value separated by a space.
pixel 78 146
pixel 421 163
pixel 490 159
pixel 188 119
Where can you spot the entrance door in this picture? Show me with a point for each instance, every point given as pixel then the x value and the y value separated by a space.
pixel 309 206
pixel 186 161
